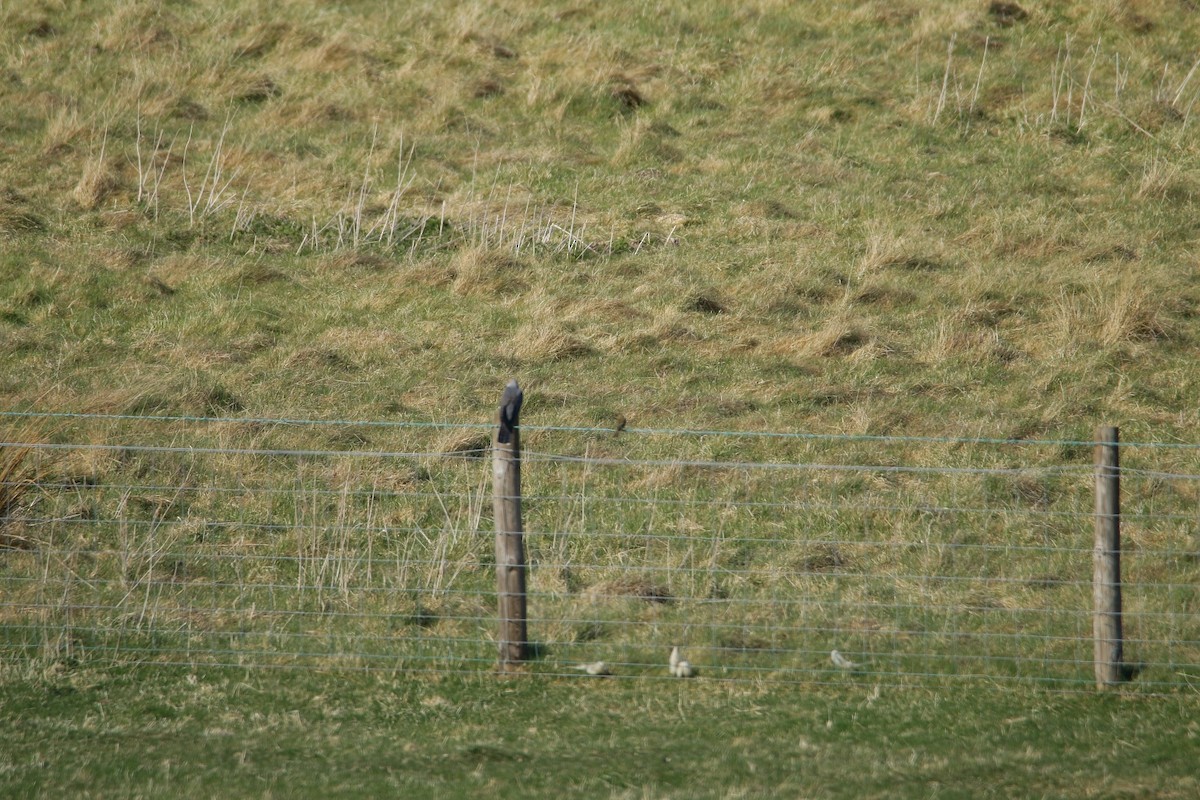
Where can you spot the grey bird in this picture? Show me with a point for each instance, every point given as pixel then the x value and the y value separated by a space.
pixel 510 410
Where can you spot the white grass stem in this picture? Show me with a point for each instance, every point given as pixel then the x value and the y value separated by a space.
pixel 941 103
pixel 979 78
pixel 1120 78
pixel 152 200
pixel 1087 85
pixel 1057 75
pixel 1183 85
pixel 1160 92
pixel 137 149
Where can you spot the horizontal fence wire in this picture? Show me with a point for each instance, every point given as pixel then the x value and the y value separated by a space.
pixel 842 437
pixel 346 545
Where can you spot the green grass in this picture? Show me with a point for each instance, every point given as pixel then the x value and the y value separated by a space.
pixel 304 734
pixel 335 624
pixel 219 552
pixel 783 204
pixel 940 219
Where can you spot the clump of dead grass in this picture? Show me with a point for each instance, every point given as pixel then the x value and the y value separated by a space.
pixel 17 215
pixel 888 250
pixel 969 333
pixel 19 477
pixel 134 27
pixel 460 443
pixel 479 270
pixel 840 336
pixel 62 130
pixel 631 586
pixel 97 182
pixel 1126 314
pixel 646 141
pixel 543 342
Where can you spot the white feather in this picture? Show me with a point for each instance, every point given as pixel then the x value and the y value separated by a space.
pixel 594 668
pixel 840 661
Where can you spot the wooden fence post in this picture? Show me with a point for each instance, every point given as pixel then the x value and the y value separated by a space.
pixel 1106 561
pixel 510 546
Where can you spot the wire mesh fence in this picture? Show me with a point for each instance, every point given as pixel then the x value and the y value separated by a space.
pixel 347 545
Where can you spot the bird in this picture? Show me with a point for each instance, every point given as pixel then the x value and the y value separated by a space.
pixel 620 426
pixel 678 666
pixel 840 661
pixel 510 410
pixel 594 668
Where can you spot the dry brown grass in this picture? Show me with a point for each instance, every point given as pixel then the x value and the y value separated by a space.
pixel 63 130
pixel 17 215
pixel 768 207
pixel 484 271
pixel 136 28
pixel 886 249
pixel 842 334
pixel 97 182
pixel 630 586
pixel 1135 314
pixel 970 334
pixel 543 342
pixel 21 470
pixel 1118 316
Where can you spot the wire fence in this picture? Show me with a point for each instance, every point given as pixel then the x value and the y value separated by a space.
pixel 369 546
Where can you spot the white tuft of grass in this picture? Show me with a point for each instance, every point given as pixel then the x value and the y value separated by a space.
pixel 151 165
pixel 213 194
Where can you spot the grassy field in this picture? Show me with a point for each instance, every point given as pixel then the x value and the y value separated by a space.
pixel 901 218
pixel 285 734
pixel 938 219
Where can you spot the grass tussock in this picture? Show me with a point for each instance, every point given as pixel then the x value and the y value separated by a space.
pixel 1122 317
pixel 539 342
pixel 628 587
pixel 97 182
pixel 22 469
pixel 842 335
pixel 15 483
pixel 481 271
pixel 63 130
pixel 970 335
pixel 17 215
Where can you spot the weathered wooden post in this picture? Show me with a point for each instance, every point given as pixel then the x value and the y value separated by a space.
pixel 510 546
pixel 1106 561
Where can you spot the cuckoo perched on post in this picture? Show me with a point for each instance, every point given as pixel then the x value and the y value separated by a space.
pixel 510 410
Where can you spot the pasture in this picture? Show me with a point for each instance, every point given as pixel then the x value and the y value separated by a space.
pixel 264 268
